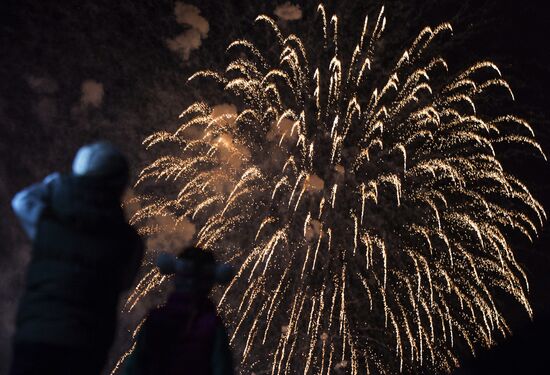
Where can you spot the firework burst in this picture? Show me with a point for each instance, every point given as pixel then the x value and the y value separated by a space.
pixel 371 218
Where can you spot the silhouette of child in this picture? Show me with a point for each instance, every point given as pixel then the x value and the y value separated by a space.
pixel 186 335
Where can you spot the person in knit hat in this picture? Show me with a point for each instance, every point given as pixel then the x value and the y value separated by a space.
pixel 186 335
pixel 84 254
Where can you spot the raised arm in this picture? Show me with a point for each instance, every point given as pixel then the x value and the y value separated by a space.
pixel 29 204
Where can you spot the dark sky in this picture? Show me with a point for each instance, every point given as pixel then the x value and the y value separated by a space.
pixel 50 49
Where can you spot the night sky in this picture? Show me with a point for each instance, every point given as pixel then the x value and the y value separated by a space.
pixel 73 72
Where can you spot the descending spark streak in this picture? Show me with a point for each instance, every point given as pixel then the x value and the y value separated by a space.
pixel 122 358
pixel 408 261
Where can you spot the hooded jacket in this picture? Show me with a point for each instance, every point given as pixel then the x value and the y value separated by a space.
pixel 84 255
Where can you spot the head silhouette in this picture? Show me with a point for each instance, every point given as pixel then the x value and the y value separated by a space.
pixel 200 276
pixel 102 161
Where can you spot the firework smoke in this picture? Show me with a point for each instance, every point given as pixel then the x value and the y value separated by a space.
pixel 190 39
pixel 288 12
pixel 371 217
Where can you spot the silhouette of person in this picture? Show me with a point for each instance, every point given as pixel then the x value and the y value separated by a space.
pixel 84 255
pixel 186 335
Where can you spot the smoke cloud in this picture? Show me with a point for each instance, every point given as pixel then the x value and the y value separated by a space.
pixel 314 183
pixel 229 151
pixel 313 229
pixel 283 129
pixel 172 235
pixel 92 93
pixel 190 15
pixel 228 110
pixel 288 12
pixel 190 39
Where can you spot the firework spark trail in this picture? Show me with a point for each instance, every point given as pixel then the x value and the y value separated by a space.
pixel 371 224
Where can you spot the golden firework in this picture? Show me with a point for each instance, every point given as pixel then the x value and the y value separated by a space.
pixel 371 221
